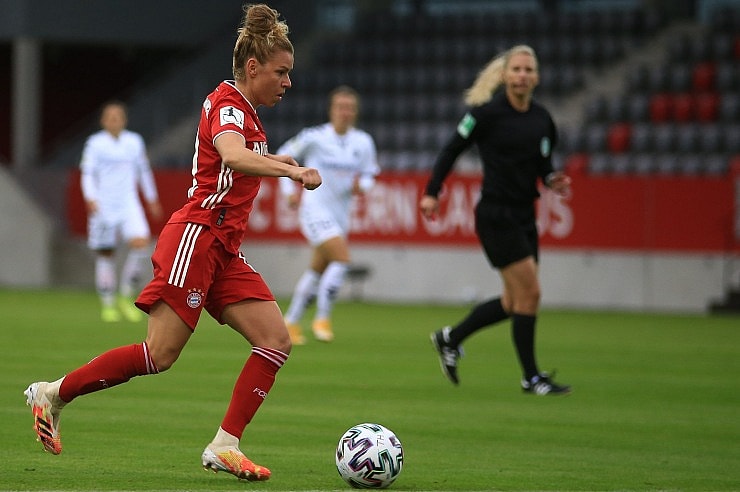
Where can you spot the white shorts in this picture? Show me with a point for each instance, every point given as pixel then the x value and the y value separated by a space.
pixel 106 232
pixel 318 226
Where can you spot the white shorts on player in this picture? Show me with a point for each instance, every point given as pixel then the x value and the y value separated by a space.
pixel 320 225
pixel 105 232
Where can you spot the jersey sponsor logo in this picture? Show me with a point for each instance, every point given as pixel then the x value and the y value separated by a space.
pixel 466 125
pixel 545 146
pixel 195 298
pixel 232 116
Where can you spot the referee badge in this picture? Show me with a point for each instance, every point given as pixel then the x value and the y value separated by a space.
pixel 545 146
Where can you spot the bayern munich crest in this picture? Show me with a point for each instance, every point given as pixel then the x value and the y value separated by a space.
pixel 195 298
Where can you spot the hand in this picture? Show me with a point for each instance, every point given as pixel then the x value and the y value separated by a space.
pixel 155 209
pixel 91 206
pixel 429 207
pixel 307 176
pixel 559 182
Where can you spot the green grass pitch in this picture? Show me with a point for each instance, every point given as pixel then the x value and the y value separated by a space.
pixel 656 403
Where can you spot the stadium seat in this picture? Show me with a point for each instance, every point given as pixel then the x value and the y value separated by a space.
pixel 710 138
pixel 727 76
pixel 702 77
pixel 687 138
pixel 689 164
pixel 722 45
pixel 732 138
pixel 618 137
pixel 666 164
pixel 571 140
pixel 679 78
pixel 729 107
pixel 598 163
pixel 643 163
pixel 716 165
pixel 641 137
pixel 657 78
pixel 595 138
pixel 596 110
pixel 661 108
pixel 707 105
pixel 638 108
pixel 664 138
pixel 616 109
pixel 620 164
pixel 683 107
pixel 638 80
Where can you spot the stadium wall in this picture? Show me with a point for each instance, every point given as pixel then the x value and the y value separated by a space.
pixel 25 237
pixel 624 242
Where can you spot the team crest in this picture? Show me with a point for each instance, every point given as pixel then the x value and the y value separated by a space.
pixel 195 298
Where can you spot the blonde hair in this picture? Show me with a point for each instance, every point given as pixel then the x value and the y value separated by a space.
pixel 261 34
pixel 492 76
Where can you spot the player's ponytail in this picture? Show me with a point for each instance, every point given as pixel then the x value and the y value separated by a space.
pixel 261 34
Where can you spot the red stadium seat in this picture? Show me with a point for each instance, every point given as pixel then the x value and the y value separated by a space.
pixel 707 106
pixel 661 108
pixel 683 107
pixel 703 77
pixel 618 138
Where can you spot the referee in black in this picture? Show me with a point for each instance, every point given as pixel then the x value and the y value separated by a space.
pixel 515 136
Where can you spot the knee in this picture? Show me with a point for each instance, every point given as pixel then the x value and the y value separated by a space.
pixel 163 359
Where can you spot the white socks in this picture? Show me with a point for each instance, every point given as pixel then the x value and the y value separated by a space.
pixel 305 291
pixel 132 269
pixel 105 279
pixel 331 282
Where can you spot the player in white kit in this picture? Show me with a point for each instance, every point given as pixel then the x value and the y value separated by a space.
pixel 114 167
pixel 346 158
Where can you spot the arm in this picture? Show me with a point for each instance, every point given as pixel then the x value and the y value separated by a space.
pixel 370 169
pixel 147 184
pixel 230 146
pixel 87 179
pixel 429 203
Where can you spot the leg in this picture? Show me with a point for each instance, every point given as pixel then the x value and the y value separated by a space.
pixel 334 255
pixel 260 323
pixel 303 295
pixel 131 275
pixel 522 294
pixel 105 284
pixel 167 336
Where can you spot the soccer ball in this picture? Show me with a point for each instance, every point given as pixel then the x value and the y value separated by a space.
pixel 369 456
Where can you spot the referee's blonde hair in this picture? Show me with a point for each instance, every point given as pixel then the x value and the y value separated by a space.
pixel 492 75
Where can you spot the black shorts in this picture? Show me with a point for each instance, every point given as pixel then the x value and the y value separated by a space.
pixel 507 233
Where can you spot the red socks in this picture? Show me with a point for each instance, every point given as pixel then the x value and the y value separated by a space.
pixel 251 388
pixel 109 369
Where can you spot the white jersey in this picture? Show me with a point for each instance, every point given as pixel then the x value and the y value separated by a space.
pixel 113 170
pixel 340 160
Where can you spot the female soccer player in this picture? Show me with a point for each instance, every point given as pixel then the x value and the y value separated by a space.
pixel 346 158
pixel 197 263
pixel 114 167
pixel 515 136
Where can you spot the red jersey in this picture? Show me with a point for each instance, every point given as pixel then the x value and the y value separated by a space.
pixel 220 197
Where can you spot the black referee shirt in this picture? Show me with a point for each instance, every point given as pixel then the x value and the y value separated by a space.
pixel 515 147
